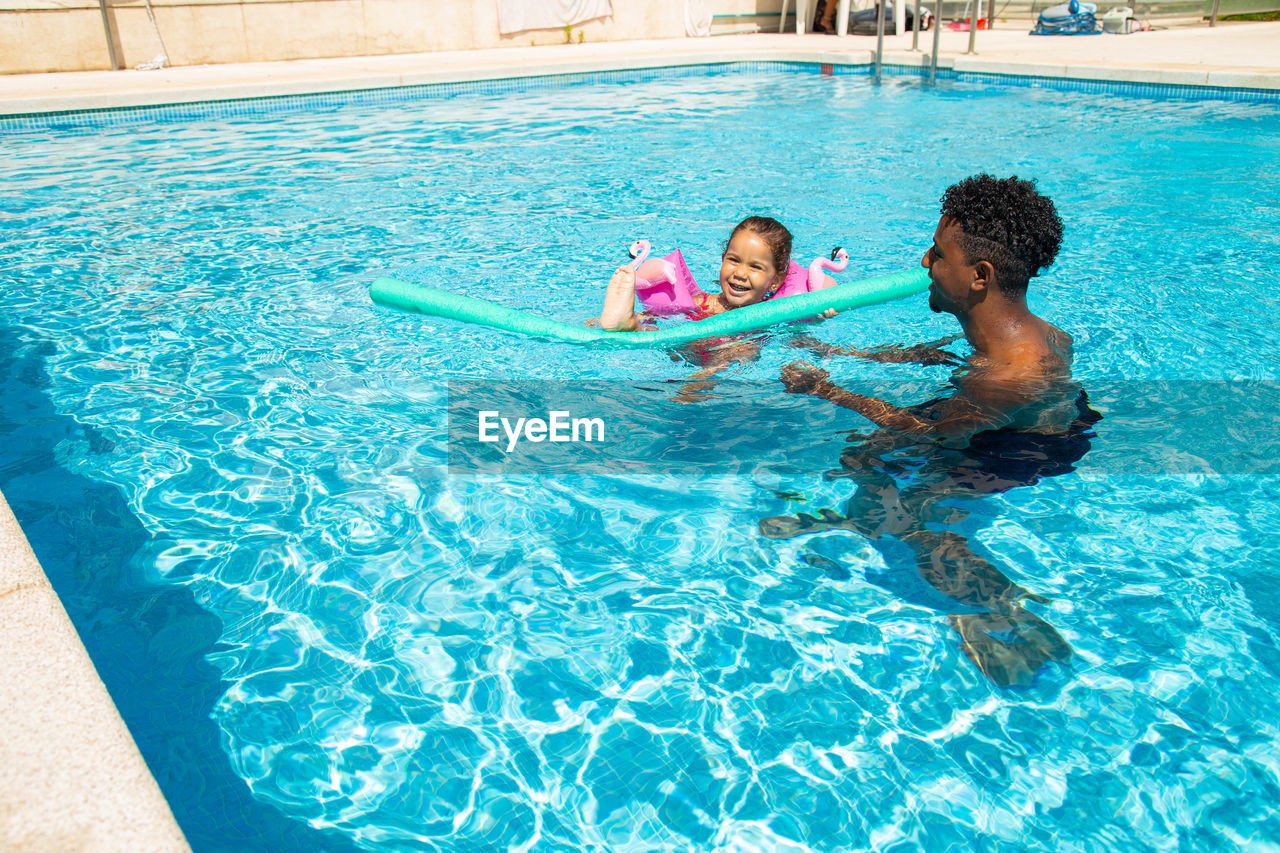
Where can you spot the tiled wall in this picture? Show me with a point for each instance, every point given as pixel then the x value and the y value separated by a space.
pixel 284 104
pixel 68 35
pixel 1128 88
pixel 88 119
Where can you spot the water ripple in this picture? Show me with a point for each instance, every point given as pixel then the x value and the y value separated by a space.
pixel 618 661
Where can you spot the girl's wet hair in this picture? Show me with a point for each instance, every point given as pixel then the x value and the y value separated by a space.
pixel 775 235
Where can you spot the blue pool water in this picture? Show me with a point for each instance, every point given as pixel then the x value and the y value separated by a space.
pixel 323 640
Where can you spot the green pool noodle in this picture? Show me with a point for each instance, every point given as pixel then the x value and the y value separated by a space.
pixel 454 306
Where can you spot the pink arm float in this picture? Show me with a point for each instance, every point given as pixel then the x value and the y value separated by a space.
pixel 811 280
pixel 676 292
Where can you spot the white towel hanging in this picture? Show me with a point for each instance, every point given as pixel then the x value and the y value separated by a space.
pixel 515 16
pixel 697 18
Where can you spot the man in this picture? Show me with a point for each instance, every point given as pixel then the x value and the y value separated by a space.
pixel 1015 417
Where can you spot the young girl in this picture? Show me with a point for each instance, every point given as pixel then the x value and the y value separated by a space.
pixel 754 265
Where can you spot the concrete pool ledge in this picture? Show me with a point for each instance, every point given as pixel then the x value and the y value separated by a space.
pixel 71 777
pixel 1232 56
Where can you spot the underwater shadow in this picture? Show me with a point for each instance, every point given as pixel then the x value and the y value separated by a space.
pixel 147 641
pixel 908 503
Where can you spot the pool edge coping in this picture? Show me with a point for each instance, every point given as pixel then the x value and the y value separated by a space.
pixel 398 71
pixel 74 778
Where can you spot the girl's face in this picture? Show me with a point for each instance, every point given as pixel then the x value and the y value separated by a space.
pixel 747 273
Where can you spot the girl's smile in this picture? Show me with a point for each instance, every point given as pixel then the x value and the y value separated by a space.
pixel 747 273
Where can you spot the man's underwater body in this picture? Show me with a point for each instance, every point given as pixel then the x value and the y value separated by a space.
pixel 906 503
pixel 1014 417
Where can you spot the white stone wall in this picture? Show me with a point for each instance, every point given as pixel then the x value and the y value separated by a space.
pixel 68 35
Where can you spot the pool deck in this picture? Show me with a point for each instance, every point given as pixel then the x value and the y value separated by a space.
pixel 1230 55
pixel 70 775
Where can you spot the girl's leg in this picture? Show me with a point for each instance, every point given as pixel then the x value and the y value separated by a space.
pixel 619 311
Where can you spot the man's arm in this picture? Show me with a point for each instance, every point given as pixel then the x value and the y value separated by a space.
pixel 927 354
pixel 955 420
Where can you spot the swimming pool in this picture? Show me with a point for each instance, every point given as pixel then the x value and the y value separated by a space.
pixel 411 660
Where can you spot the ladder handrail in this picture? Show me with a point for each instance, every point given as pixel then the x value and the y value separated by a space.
pixel 111 38
pixel 937 37
pixel 880 37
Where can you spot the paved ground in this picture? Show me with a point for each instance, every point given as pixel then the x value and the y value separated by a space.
pixel 1232 54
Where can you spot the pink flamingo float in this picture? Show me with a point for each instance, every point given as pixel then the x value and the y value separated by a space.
pixel 671 292
pixel 674 290
pixel 813 278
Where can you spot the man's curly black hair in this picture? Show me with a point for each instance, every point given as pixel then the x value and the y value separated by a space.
pixel 1006 222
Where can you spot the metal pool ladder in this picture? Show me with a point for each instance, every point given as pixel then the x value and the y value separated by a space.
pixel 915 37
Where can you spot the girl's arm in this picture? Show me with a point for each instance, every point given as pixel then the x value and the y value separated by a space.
pixel 698 386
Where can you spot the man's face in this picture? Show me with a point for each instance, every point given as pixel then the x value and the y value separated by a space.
pixel 951 278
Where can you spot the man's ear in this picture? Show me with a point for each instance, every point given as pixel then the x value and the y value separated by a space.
pixel 984 276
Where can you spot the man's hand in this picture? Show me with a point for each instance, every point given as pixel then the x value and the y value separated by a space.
pixel 800 377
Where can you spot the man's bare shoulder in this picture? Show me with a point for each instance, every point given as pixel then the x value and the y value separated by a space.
pixel 1023 372
pixel 1058 340
pixel 1041 350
